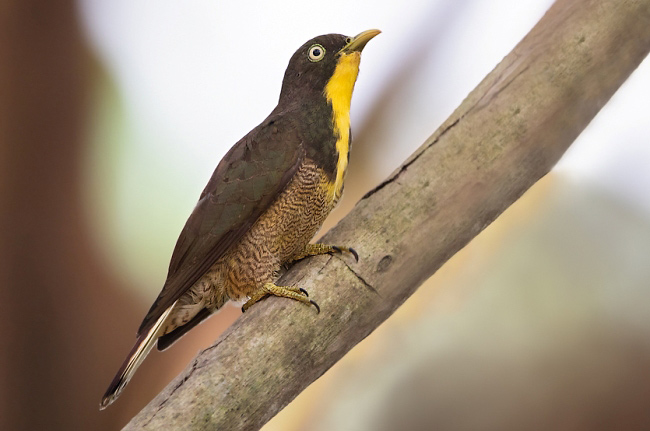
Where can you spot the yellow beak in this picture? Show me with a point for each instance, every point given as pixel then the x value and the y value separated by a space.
pixel 359 41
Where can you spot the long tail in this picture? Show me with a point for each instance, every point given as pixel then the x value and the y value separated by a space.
pixel 140 350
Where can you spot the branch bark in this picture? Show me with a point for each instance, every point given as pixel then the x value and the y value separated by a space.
pixel 507 134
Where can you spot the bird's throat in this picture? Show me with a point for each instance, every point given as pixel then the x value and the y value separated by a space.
pixel 338 93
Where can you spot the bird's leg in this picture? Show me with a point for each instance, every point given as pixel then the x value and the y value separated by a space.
pixel 318 249
pixel 291 292
pixel 258 295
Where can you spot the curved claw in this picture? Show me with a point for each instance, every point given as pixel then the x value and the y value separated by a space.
pixel 304 291
pixel 350 250
pixel 315 305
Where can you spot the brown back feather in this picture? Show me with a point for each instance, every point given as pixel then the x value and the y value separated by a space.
pixel 245 183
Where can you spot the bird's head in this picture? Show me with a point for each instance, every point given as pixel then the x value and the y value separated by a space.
pixel 325 64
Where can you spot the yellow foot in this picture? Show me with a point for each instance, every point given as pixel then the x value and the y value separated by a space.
pixel 318 249
pixel 291 292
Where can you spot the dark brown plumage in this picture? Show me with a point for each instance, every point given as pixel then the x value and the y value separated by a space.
pixel 266 199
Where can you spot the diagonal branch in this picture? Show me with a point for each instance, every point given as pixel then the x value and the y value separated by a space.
pixel 507 134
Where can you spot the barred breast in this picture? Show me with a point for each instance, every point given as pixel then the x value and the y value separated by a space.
pixel 280 233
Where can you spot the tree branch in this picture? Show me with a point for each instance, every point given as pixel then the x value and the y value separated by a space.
pixel 507 134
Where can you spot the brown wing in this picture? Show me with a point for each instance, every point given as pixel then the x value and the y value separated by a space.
pixel 245 183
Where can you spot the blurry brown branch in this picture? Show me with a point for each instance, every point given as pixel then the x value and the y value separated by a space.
pixel 508 133
pixel 60 337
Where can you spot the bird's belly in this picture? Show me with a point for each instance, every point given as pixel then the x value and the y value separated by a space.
pixel 293 220
pixel 280 233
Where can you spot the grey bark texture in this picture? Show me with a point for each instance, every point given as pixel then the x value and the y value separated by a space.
pixel 506 134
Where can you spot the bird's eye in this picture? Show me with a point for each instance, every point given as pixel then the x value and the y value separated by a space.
pixel 348 40
pixel 316 53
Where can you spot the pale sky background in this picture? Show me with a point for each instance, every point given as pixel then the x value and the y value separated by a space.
pixel 193 77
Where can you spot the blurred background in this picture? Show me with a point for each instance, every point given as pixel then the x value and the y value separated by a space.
pixel 113 116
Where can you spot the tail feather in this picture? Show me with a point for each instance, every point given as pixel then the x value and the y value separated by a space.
pixel 139 352
pixel 170 338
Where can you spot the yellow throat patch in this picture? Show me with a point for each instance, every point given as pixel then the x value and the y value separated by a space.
pixel 338 92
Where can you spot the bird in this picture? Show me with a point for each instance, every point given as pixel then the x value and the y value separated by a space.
pixel 265 201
